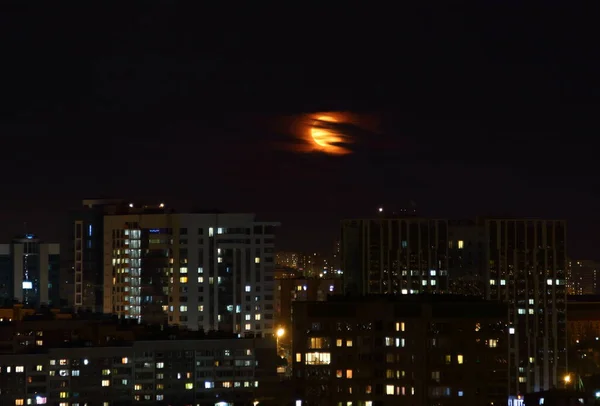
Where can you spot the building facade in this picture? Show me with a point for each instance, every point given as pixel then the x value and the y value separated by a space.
pixel 203 271
pixel 395 255
pixel 224 372
pixel 402 350
pixel 582 277
pixel 30 272
pixel 526 263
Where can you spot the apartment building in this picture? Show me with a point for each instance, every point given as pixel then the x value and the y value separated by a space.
pixel 200 372
pixel 210 271
pixel 400 350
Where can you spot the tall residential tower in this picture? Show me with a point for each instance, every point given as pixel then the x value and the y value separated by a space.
pixel 208 271
pixel 395 255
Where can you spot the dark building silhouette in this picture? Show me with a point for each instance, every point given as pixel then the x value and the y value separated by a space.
pixel 30 272
pixel 389 350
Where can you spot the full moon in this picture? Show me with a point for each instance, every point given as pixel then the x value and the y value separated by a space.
pixel 324 137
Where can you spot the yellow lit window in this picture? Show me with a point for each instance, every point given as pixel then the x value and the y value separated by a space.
pixel 298 357
pixel 318 343
pixel 400 326
pixel 64 395
pixel 349 342
pixel 338 342
pixel 183 270
pixel 137 387
pixel 19 402
pixel 317 358
pixel 39 368
pixel 201 308
pixel 459 359
pixel 389 389
pixel 106 382
pixel 39 343
pixel 461 244
pixel 189 386
pixel 63 362
pixel 124 360
pixel 183 279
pixel 106 372
pixel 257 260
pixel 448 359
pixel 201 279
pixel 348 374
pixel 257 316
pixel 493 343
pixel 339 373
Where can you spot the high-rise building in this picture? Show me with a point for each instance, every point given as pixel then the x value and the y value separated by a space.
pixel 526 262
pixel 394 255
pixel 582 277
pixel 30 272
pixel 466 258
pixel 206 271
pixel 86 251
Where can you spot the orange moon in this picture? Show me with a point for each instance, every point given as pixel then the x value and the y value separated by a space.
pixel 324 137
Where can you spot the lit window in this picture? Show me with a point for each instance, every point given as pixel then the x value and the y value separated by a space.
pixel 19 402
pixel 502 282
pixel 317 358
pixel 461 393
pixel 349 342
pixel 338 342
pixel 339 374
pixel 106 382
pixel 106 372
pixel 389 389
pixel 201 308
pixel 189 386
pixel 201 279
pixel 160 365
pixel 448 359
pixel 521 311
pixel 257 316
pixel 492 282
pixel 549 282
pixel 124 360
pixel 183 308
pixel 39 343
pixel 209 385
pixel 19 369
pixel 247 327
pixel 530 311
pixel 39 368
pixel 298 357
pixel 432 272
pixel 400 326
pixel 511 330
pixel 348 374
pixel 64 362
pixel 183 279
pixel 493 343
pixel 137 387
pixel 461 244
pixel 183 270
pixel 531 301
pixel 64 395
pixel 459 359
pixel 257 260
pixel 522 379
pixel 248 288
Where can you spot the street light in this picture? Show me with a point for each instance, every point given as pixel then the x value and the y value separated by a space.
pixel 567 379
pixel 280 332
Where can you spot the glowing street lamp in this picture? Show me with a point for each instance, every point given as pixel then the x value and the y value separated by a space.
pixel 567 379
pixel 280 332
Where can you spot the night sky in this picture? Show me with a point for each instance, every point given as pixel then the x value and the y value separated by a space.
pixel 477 111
